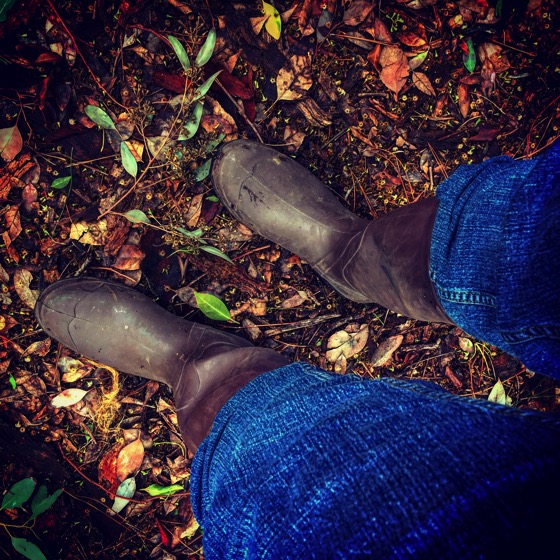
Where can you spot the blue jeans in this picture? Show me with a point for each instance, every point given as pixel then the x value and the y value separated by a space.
pixel 302 463
pixel 495 256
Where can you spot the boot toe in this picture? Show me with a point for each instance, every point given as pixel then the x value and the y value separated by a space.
pixel 57 307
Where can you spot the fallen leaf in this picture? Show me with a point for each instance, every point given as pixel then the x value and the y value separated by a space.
pixel 422 82
pixel 39 348
pixel 13 222
pixel 22 279
pixel 11 143
pixel 385 350
pixel 498 394
pixel 294 301
pixel 68 397
pixel 130 459
pixel 346 344
pixel 394 67
pixel 72 369
pixel 357 12
pixel 130 257
pixel 486 134
pixel 293 82
pixel 464 99
pixel 125 491
pixel 29 197
pixel 89 233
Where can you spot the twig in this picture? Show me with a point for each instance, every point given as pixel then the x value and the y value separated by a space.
pixel 241 111
pixel 302 324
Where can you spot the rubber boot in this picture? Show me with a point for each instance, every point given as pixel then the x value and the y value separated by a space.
pixel 385 261
pixel 117 326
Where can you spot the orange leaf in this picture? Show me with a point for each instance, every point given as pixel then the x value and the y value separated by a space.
pixel 130 459
pixel 394 66
pixel 422 82
pixel 464 99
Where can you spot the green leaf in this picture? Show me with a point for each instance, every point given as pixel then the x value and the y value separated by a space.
pixel 192 125
pixel 137 216
pixel 100 117
pixel 28 549
pixel 128 161
pixel 205 53
pixel 203 89
pixel 469 60
pixel 12 381
pixel 215 251
pixel 18 494
pixel 61 182
pixel 203 171
pixel 213 198
pixel 212 307
pixel 42 501
pixel 274 23
pixel 186 232
pixel 417 60
pixel 5 5
pixel 213 144
pixel 158 490
pixel 180 52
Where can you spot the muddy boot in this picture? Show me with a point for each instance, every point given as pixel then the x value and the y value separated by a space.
pixel 385 261
pixel 117 326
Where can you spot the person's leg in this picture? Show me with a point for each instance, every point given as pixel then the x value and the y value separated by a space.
pixel 303 463
pixel 491 265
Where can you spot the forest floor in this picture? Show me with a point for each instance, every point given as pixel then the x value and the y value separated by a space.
pixel 382 101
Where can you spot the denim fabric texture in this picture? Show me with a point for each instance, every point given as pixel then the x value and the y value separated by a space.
pixel 302 463
pixel 495 255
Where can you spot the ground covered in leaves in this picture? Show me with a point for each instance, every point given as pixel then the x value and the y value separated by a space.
pixel 381 100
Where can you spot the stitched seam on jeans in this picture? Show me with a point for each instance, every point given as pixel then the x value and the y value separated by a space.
pixel 530 333
pixel 466 297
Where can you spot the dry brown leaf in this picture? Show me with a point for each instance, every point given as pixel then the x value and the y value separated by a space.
pixel 394 67
pixel 294 301
pixel 385 350
pixel 11 143
pixel 345 344
pixel 464 99
pixel 195 208
pixel 22 279
pixel 422 82
pixel 72 369
pixel 130 257
pixel 357 12
pixel 89 233
pixel 292 83
pixel 130 460
pixel 39 348
pixel 13 222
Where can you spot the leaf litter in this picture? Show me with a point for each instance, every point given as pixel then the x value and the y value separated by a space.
pixel 382 102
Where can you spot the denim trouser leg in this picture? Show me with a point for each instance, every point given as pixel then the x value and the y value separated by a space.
pixel 302 463
pixel 495 255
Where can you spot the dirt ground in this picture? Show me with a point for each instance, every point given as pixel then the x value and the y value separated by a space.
pixel 381 100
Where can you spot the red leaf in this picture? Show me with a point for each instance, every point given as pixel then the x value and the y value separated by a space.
pixel 235 86
pixel 486 134
pixel 165 536
pixel 172 82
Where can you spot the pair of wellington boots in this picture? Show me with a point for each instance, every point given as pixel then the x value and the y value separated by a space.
pixel 384 261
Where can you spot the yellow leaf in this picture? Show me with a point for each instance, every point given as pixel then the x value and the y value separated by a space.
pixel 273 24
